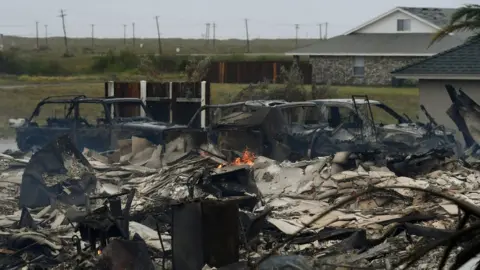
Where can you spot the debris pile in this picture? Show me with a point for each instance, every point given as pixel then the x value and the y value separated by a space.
pixel 182 206
pixel 319 213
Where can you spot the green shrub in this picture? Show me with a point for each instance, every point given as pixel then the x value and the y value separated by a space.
pixel 125 60
pixel 10 63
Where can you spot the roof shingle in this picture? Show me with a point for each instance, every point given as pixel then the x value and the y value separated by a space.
pixel 461 60
pixel 438 16
pixel 404 43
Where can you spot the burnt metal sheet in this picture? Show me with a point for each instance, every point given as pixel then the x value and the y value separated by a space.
pixel 44 179
pixel 221 232
pixel 187 241
pixel 205 232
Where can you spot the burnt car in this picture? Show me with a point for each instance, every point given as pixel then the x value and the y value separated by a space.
pixel 361 119
pixel 297 130
pixel 94 123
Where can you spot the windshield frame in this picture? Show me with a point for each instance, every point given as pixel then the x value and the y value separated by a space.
pixel 390 111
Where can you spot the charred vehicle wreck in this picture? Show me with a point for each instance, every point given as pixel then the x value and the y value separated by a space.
pixel 117 119
pixel 298 130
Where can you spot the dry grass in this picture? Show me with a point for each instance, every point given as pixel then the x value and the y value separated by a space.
pixel 20 101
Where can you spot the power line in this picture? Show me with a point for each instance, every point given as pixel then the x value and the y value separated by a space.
pixel 248 39
pixel 159 38
pixel 62 15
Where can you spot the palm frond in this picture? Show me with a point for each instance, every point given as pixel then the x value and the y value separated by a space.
pixel 466 18
pixel 473 26
pixel 468 12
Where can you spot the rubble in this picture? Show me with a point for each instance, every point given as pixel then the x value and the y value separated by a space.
pixel 184 206
pixel 279 202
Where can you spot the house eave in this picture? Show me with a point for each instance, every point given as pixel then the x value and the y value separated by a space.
pixel 359 54
pixel 438 76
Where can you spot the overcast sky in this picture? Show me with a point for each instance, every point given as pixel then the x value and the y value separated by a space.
pixel 187 18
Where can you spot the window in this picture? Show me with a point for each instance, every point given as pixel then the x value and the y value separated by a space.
pixel 342 115
pixel 91 114
pixel 359 67
pixel 381 115
pixel 53 113
pixel 305 115
pixel 403 25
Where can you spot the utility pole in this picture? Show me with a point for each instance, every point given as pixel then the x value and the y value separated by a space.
pixel 124 34
pixel 207 33
pixel 36 31
pixel 214 26
pixel 248 39
pixel 326 30
pixel 46 34
pixel 93 35
pixel 133 34
pixel 296 35
pixel 159 38
pixel 320 30
pixel 62 15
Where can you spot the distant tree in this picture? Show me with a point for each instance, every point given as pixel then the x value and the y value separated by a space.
pixel 466 18
pixel 196 70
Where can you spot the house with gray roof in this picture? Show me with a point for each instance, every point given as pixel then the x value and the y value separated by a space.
pixel 368 53
pixel 458 66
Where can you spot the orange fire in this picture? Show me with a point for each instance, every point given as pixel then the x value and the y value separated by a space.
pixel 99 252
pixel 247 158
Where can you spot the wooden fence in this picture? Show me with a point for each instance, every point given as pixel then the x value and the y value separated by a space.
pixel 245 72
pixel 170 102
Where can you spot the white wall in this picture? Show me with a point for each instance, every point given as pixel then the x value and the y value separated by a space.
pixel 389 25
pixel 434 97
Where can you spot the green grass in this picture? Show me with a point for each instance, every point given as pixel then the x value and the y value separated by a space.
pixel 92 78
pixel 82 46
pixel 20 102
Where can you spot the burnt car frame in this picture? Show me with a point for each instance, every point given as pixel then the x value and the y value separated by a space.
pixel 112 125
pixel 296 130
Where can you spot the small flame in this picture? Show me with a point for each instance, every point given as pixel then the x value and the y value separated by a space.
pixel 99 252
pixel 246 158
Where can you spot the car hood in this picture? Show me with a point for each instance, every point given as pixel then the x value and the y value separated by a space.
pixel 151 126
pixel 415 129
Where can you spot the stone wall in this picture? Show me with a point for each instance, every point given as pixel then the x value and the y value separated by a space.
pixel 339 69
